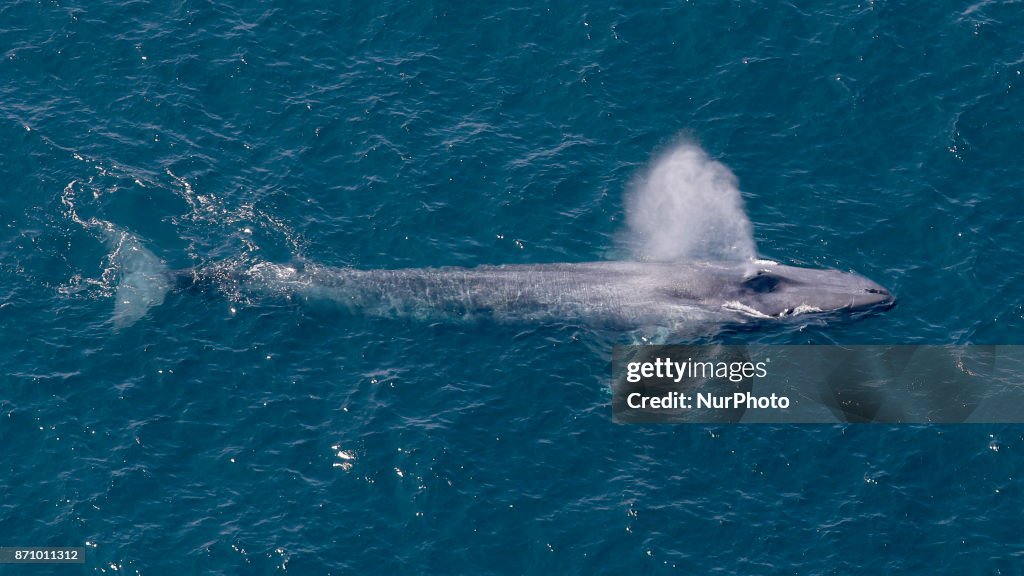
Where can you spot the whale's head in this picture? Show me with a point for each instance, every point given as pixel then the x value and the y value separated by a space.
pixel 770 290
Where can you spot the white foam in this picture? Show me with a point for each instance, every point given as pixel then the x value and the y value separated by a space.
pixel 804 309
pixel 737 306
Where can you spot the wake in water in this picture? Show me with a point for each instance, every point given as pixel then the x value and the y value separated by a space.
pixel 140 277
pixel 137 278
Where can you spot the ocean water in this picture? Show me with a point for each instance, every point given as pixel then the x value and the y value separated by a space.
pixel 225 434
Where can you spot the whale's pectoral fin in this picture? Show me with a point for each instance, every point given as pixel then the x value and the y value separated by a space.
pixel 142 277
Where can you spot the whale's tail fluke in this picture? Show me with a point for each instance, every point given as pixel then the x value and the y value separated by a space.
pixel 142 278
pixel 139 277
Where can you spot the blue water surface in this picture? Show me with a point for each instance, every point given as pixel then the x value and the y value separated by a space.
pixel 225 435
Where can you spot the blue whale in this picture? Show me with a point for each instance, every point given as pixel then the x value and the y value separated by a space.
pixel 677 297
pixel 622 295
pixel 652 297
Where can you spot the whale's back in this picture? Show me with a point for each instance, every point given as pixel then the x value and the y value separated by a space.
pixel 613 294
